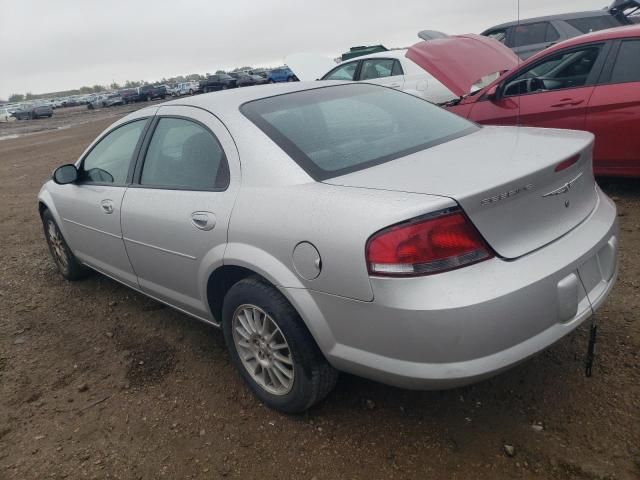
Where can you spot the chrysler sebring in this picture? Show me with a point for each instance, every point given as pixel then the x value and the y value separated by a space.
pixel 348 227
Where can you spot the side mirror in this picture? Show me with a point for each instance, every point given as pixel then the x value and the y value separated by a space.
pixel 65 174
pixel 492 93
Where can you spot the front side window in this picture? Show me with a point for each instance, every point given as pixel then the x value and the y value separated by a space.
pixel 376 68
pixel 343 72
pixel 627 67
pixel 561 71
pixel 109 160
pixel 332 131
pixel 184 154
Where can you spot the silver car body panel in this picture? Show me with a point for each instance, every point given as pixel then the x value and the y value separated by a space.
pixel 427 332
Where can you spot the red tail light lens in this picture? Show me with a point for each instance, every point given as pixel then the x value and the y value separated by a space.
pixel 426 246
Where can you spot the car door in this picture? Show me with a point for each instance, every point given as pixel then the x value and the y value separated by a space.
pixel 553 92
pixel 176 212
pixel 91 207
pixel 382 71
pixel 613 113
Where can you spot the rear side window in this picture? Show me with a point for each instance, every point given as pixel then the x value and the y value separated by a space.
pixel 332 131
pixel 594 24
pixel 376 68
pixel 184 154
pixel 627 67
pixel 109 160
pixel 534 33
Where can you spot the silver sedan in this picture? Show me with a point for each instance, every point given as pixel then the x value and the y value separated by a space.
pixel 342 227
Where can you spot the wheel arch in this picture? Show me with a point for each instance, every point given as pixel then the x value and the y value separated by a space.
pixel 275 274
pixel 45 202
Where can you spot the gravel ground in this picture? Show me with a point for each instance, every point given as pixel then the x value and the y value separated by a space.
pixel 97 381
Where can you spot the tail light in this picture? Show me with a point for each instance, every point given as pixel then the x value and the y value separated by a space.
pixel 426 245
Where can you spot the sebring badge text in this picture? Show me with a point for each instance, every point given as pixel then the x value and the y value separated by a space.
pixel 505 195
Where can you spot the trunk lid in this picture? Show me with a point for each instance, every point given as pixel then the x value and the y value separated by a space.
pixel 505 180
pixel 460 61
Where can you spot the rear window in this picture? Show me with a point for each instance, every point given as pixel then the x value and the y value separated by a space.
pixel 332 131
pixel 594 24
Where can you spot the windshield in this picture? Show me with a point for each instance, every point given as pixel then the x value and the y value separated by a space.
pixel 340 129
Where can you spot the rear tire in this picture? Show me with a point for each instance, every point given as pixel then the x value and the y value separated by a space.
pixel 65 260
pixel 191 92
pixel 281 363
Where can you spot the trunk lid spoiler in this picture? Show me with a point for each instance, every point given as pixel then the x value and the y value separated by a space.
pixel 461 61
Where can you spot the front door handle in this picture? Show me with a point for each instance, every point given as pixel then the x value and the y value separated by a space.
pixel 203 220
pixel 567 102
pixel 107 206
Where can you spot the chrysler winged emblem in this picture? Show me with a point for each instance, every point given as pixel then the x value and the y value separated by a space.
pixel 564 188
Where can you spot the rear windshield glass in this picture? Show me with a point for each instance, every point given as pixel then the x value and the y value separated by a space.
pixel 335 130
pixel 594 24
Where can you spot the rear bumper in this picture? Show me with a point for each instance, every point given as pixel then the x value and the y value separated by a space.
pixel 459 327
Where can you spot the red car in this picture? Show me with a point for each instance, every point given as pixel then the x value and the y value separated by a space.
pixel 591 82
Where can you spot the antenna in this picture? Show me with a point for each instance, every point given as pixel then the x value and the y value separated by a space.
pixel 519 60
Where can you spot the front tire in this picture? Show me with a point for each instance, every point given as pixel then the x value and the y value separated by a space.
pixel 65 260
pixel 274 352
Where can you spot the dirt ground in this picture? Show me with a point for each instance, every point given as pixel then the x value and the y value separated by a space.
pixel 97 381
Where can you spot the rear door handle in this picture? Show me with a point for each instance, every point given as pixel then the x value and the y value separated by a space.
pixel 107 206
pixel 395 85
pixel 203 220
pixel 567 102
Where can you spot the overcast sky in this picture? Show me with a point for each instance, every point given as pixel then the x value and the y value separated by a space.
pixel 49 45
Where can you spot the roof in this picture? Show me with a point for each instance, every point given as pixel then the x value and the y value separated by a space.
pixel 562 16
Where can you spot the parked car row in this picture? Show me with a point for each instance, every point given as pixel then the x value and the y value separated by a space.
pixel 591 83
pixel 145 93
pixel 31 111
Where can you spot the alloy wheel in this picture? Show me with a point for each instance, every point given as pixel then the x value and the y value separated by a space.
pixel 263 349
pixel 57 245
